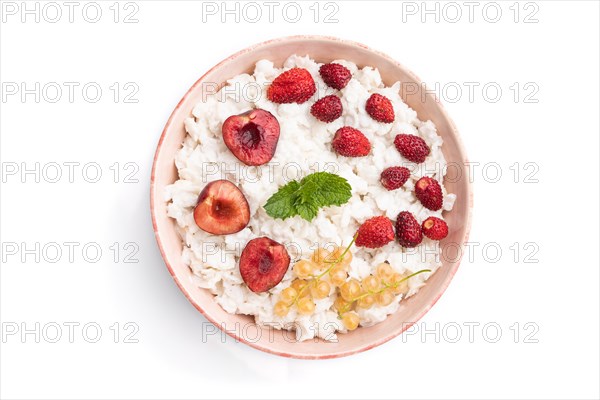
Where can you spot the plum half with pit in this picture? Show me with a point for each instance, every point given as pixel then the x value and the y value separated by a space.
pixel 263 264
pixel 222 208
pixel 252 136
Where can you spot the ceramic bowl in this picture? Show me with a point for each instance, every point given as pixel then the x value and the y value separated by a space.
pixel 322 49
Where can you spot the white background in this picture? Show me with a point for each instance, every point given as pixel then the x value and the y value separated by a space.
pixel 163 54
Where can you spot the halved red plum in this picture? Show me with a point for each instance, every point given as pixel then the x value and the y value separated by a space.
pixel 252 136
pixel 263 264
pixel 222 208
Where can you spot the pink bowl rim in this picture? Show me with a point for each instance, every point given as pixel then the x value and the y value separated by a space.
pixel 241 339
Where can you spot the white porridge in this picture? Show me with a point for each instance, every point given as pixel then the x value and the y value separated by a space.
pixel 304 146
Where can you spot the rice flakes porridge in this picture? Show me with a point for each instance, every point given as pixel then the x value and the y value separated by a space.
pixel 304 147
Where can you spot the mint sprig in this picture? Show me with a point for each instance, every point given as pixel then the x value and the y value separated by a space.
pixel 305 198
pixel 281 204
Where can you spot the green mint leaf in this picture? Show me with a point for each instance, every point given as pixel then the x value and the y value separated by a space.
pixel 324 189
pixel 307 210
pixel 304 198
pixel 281 204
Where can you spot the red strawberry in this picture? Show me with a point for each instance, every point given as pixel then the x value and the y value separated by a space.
pixel 408 230
pixel 335 75
pixel 375 232
pixel 293 86
pixel 380 108
pixel 327 109
pixel 263 264
pixel 429 193
pixel 394 177
pixel 412 147
pixel 350 142
pixel 435 228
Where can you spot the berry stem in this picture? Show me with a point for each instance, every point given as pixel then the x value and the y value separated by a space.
pixel 338 260
pixel 333 264
pixel 385 287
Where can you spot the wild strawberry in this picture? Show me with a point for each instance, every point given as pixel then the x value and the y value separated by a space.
pixel 412 147
pixel 380 108
pixel 293 86
pixel 263 264
pixel 327 109
pixel 375 232
pixel 429 193
pixel 350 142
pixel 335 75
pixel 408 230
pixel 435 228
pixel 394 177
